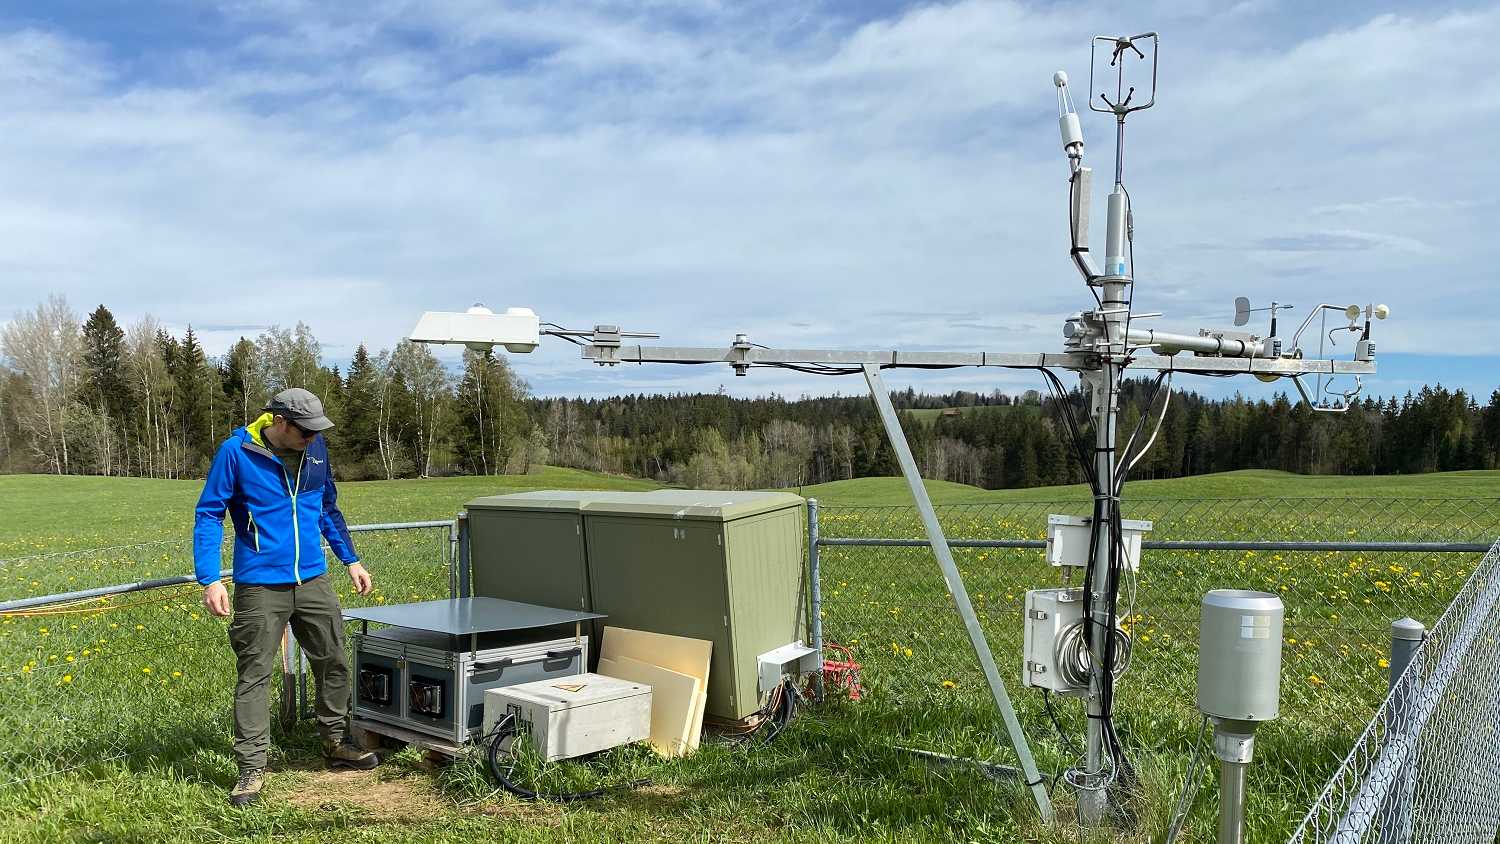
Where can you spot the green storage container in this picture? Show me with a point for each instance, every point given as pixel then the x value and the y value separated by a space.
pixel 721 566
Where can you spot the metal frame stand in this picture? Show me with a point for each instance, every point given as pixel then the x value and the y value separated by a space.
pixel 956 588
pixel 1234 745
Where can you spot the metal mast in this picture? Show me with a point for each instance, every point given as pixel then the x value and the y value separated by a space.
pixel 1099 345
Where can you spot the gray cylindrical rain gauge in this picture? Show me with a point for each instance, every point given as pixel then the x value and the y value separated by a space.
pixel 1239 686
pixel 1239 655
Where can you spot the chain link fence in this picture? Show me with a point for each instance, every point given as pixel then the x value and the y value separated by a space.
pixel 148 675
pixel 890 604
pixel 1427 768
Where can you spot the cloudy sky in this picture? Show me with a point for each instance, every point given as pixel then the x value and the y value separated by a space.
pixel 861 175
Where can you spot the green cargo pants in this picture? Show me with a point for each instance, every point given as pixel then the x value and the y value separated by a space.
pixel 261 614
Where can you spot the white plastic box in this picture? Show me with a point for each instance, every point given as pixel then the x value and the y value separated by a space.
pixel 1049 612
pixel 1068 540
pixel 574 716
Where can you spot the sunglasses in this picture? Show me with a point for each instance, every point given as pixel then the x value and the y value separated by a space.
pixel 306 434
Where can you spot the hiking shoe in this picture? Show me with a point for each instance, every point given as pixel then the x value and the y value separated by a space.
pixel 247 788
pixel 340 755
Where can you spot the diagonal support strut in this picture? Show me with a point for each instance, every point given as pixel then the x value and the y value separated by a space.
pixel 955 583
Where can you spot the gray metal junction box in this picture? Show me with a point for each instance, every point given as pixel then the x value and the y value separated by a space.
pixel 707 564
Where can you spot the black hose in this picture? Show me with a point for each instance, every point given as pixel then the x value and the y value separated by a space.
pixel 506 729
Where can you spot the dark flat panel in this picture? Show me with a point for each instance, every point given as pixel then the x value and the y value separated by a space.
pixel 462 616
pixel 528 556
pixel 667 576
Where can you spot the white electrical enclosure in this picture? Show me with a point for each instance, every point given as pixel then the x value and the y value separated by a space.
pixel 1049 613
pixel 1068 540
pixel 479 328
pixel 574 716
pixel 795 659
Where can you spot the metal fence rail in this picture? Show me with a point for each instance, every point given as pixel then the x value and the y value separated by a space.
pixel 146 675
pixel 1427 768
pixel 141 671
pixel 1345 568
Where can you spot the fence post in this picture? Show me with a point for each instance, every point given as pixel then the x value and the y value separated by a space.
pixel 291 679
pixel 1395 815
pixel 814 576
pixel 453 559
pixel 463 556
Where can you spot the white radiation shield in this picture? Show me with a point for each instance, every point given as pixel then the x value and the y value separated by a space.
pixel 518 330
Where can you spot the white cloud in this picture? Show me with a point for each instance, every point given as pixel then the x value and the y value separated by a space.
pixel 701 170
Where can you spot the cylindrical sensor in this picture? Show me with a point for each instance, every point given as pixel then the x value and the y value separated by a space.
pixel 1239 655
pixel 1114 235
pixel 1071 131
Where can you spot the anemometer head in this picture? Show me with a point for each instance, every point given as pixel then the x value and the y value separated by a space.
pixel 1119 48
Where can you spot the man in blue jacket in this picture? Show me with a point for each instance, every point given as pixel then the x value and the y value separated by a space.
pixel 273 478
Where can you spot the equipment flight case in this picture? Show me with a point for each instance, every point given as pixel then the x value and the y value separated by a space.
pixel 427 672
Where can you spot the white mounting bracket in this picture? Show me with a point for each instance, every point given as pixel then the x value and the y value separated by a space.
pixel 1068 540
pixel 794 658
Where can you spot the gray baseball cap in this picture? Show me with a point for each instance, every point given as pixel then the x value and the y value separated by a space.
pixel 302 407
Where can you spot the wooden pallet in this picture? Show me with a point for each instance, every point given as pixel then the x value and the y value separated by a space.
pixel 366 734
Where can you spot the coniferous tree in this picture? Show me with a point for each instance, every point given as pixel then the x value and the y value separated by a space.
pixel 195 404
pixel 105 388
pixel 357 437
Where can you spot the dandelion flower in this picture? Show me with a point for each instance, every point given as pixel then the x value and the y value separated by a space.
pixel 1315 680
pixel 146 669
pixel 1383 662
pixel 949 684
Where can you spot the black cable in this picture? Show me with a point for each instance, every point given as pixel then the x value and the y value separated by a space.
pixel 1189 790
pixel 506 728
pixel 1124 464
pixel 785 712
pixel 1067 740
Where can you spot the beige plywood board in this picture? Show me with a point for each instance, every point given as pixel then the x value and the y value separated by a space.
pixel 676 708
pixel 674 653
pixel 695 726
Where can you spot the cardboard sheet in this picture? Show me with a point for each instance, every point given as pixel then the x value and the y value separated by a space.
pixel 675 653
pixel 676 702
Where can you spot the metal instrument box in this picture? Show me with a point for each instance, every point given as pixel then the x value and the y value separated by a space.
pixel 433 683
pixel 428 672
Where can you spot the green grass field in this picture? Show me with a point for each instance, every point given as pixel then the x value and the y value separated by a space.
pixel 132 695
pixel 928 414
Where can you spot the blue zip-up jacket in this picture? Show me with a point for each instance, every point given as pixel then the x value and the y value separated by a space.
pixel 280 513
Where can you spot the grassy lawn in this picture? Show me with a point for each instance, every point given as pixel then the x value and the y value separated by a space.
pixel 929 414
pixel 45 513
pixel 132 695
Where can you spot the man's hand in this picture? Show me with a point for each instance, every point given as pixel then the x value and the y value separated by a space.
pixel 216 599
pixel 362 581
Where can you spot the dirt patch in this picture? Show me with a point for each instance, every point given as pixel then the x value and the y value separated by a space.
pixel 389 798
pixel 539 814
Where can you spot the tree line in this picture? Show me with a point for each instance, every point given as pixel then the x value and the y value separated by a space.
pixel 96 398
pixel 92 397
pixel 1006 441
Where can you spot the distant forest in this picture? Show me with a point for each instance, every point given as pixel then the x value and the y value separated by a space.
pixel 91 397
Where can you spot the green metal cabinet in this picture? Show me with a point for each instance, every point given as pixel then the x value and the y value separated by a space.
pixel 721 566
pixel 534 554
